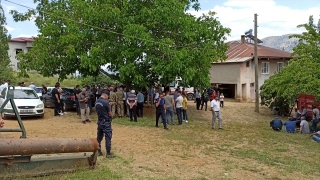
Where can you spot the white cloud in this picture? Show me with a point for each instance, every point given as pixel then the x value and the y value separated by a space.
pixel 8 8
pixel 9 28
pixel 28 35
pixel 273 19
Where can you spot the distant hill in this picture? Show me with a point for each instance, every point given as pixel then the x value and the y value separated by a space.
pixel 280 42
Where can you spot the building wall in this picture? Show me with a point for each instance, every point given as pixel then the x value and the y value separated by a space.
pixel 242 75
pixel 13 46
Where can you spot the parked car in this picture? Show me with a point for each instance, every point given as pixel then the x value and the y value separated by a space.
pixel 27 101
pixel 39 91
pixel 67 95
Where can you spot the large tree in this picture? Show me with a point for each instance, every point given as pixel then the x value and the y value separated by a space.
pixel 301 76
pixel 5 69
pixel 141 40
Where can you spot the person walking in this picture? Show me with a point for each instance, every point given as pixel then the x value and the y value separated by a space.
pixel 140 99
pixel 113 101
pixel 169 102
pixel 221 100
pixel 184 108
pixel 104 122
pixel 150 94
pixel 120 97
pixel 56 100
pixel 215 108
pixel 84 108
pixel 76 93
pixel 161 111
pixel 178 106
pixel 132 104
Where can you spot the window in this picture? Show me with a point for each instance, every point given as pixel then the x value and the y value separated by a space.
pixel 248 64
pixel 172 84
pixel 18 65
pixel 265 68
pixel 18 51
pixel 279 66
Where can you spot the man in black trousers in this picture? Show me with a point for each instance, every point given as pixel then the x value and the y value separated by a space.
pixel 56 100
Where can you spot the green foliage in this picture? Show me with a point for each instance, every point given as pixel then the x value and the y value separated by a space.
pixel 301 76
pixel 141 40
pixel 100 79
pixel 5 69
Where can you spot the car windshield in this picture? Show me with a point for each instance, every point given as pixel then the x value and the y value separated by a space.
pixel 38 90
pixel 25 94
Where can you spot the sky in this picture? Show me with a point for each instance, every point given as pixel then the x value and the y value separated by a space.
pixel 275 17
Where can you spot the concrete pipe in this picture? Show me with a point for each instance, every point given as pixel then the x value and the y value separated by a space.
pixel 46 146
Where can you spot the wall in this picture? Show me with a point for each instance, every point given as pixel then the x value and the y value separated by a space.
pixel 12 52
pixel 225 73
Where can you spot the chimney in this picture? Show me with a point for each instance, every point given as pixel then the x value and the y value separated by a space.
pixel 243 39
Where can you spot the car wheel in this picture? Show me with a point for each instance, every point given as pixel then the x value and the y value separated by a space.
pixel 190 97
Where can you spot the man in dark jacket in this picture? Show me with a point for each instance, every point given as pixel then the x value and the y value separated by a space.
pixel 276 124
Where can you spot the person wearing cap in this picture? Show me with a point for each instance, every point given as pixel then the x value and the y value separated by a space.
pixel 215 108
pixel 132 104
pixel 113 100
pixel 104 122
pixel 32 86
pixel 84 108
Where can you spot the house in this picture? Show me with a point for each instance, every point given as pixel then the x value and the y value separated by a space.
pixel 17 45
pixel 235 75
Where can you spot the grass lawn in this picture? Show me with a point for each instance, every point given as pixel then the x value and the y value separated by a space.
pixel 245 149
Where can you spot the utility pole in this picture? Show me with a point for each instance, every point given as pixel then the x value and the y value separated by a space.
pixel 256 64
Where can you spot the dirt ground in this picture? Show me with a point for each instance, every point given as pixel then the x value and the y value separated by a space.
pixel 153 152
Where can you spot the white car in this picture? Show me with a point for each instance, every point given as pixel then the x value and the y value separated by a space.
pixel 27 102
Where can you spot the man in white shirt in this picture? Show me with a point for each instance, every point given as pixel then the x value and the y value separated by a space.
pixel 215 108
pixel 4 86
pixel 179 101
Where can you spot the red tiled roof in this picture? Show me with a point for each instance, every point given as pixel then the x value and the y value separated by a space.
pixel 21 39
pixel 240 52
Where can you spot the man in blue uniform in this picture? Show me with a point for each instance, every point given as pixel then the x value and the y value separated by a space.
pixel 161 111
pixel 104 122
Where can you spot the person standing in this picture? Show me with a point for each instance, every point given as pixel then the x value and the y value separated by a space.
pixel 161 111
pixel 140 99
pixel 221 100
pixel 104 122
pixel 179 102
pixel 56 100
pixel 89 95
pixel 215 108
pixel 205 99
pixel 132 104
pixel 198 99
pixel 156 95
pixel 84 108
pixel 44 89
pixel 125 97
pixel 120 97
pixel 128 107
pixel 169 108
pixel 76 93
pixel 150 93
pixel 113 101
pixel 32 86
pixel 315 119
pixel 184 108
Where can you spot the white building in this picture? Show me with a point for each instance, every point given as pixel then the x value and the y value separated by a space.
pixel 17 45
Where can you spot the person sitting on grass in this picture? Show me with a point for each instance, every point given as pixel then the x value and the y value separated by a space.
pixel 276 124
pixel 290 126
pixel 315 137
pixel 304 126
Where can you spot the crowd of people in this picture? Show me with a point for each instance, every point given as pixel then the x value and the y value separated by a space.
pixel 299 123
